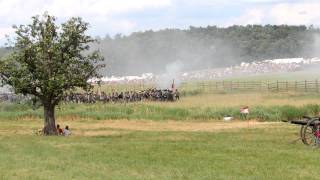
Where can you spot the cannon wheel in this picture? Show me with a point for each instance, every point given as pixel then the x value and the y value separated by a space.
pixel 308 133
pixel 302 134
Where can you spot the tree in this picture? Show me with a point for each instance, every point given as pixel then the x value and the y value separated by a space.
pixel 49 60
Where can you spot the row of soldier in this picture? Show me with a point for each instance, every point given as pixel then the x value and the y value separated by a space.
pixel 121 97
pixel 10 97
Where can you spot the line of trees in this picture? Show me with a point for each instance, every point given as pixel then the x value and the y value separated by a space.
pixel 209 47
pixel 204 47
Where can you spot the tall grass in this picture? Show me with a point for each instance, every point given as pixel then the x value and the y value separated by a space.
pixel 159 112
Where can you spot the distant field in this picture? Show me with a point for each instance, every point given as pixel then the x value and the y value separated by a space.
pixel 101 152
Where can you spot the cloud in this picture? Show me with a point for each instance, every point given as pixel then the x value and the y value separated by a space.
pixel 100 13
pixel 126 16
pixel 5 31
pixel 301 13
pixel 101 7
pixel 251 16
pixel 76 7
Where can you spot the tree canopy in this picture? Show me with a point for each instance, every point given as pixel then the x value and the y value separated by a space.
pixel 48 60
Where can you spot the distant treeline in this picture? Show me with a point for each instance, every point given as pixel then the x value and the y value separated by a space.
pixel 204 47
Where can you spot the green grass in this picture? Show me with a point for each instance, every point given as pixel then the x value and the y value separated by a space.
pixel 153 111
pixel 101 152
pixel 110 153
pixel 238 154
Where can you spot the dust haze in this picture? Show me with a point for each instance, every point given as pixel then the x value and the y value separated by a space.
pixel 169 53
pixel 133 56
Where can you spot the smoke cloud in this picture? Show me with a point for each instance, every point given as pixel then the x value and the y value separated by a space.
pixel 172 73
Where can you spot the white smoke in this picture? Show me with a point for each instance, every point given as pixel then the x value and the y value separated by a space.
pixel 5 89
pixel 316 46
pixel 172 73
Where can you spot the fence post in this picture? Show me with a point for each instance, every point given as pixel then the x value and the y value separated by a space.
pixel 260 85
pixel 305 85
pixel 317 87
pixel 296 86
pixel 277 85
pixel 287 86
pixel 203 88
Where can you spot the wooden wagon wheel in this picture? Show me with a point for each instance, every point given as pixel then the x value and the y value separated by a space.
pixel 302 134
pixel 308 133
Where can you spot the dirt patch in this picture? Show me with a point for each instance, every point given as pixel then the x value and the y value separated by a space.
pixel 119 127
pixel 176 126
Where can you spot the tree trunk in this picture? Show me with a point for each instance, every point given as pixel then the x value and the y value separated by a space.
pixel 49 120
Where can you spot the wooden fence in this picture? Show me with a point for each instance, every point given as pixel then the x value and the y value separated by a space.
pixel 266 86
pixel 312 86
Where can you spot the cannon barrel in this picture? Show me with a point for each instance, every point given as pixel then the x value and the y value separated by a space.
pixel 304 122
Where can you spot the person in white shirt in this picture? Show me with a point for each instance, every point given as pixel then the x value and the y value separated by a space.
pixel 66 131
pixel 244 111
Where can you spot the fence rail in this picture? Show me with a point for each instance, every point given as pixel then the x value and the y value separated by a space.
pixel 310 86
pixel 267 86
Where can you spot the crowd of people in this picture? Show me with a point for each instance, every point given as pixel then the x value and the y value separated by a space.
pixel 152 94
pixel 124 97
pixel 9 97
pixel 252 68
pixel 243 69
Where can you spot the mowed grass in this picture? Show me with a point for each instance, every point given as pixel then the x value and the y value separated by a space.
pixel 254 153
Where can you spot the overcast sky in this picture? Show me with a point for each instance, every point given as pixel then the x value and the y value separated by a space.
pixel 126 16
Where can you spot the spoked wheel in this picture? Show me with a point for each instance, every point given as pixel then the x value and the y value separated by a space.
pixel 302 133
pixel 308 133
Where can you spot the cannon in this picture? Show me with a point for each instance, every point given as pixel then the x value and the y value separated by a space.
pixel 308 129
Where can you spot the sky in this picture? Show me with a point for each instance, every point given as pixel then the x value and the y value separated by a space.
pixel 110 17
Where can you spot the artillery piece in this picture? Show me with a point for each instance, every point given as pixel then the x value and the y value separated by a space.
pixel 308 129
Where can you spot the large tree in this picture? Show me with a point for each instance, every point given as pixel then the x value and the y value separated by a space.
pixel 50 59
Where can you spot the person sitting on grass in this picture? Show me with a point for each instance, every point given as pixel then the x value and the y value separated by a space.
pixel 66 131
pixel 59 130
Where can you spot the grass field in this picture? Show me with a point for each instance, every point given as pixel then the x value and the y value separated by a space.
pixel 252 152
pixel 186 139
pixel 206 107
